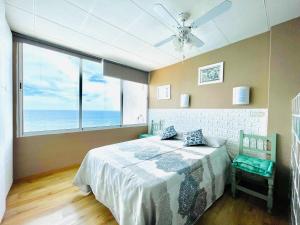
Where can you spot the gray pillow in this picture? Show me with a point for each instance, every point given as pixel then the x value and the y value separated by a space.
pixel 193 138
pixel 168 133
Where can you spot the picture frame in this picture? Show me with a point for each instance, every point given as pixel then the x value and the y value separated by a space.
pixel 211 74
pixel 164 92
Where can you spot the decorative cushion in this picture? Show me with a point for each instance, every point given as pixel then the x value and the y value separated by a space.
pixel 168 133
pixel 193 138
pixel 262 167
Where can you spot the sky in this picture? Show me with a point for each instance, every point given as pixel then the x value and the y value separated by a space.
pixel 51 82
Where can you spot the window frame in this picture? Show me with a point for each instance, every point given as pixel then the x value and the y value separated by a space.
pixel 19 91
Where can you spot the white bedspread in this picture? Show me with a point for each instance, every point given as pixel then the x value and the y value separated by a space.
pixel 153 182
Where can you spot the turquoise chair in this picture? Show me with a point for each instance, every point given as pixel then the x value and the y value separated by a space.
pixel 262 166
pixel 155 127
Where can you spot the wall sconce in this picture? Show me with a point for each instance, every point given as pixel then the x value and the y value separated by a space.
pixel 241 95
pixel 184 100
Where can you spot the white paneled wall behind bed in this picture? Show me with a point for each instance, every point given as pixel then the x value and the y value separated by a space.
pixel 224 123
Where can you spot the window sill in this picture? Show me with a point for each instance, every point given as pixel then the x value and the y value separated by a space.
pixel 67 131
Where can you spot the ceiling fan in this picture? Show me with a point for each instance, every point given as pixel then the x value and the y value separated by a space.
pixel 184 36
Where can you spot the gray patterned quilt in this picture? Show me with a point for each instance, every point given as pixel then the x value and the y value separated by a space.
pixel 153 182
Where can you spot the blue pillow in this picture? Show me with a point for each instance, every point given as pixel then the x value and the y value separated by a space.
pixel 168 133
pixel 193 138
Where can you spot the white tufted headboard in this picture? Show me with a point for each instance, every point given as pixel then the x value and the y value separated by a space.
pixel 224 123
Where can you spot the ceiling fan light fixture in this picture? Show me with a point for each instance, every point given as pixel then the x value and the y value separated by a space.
pixel 189 44
pixel 177 44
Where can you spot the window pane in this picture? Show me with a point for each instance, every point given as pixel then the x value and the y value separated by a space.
pixel 134 102
pixel 50 90
pixel 100 97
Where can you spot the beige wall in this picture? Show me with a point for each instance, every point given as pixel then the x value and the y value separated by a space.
pixel 284 85
pixel 245 63
pixel 38 154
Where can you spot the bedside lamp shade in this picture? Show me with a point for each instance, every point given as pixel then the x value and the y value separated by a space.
pixel 184 100
pixel 241 95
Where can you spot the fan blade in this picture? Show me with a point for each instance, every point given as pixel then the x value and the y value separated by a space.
pixel 165 41
pixel 196 41
pixel 165 14
pixel 212 14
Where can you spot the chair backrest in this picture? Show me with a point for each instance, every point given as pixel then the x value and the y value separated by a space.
pixel 156 126
pixel 258 145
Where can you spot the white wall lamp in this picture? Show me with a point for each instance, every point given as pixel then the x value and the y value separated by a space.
pixel 241 95
pixel 184 100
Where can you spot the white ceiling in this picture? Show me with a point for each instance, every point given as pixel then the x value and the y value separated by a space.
pixel 126 30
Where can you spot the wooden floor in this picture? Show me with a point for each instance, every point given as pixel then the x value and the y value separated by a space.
pixel 53 199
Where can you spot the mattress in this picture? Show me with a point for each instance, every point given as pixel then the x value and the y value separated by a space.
pixel 153 182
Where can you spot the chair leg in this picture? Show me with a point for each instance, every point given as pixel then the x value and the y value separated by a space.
pixel 270 194
pixel 233 181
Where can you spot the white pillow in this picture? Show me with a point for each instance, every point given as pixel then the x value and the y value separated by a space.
pixel 179 136
pixel 215 142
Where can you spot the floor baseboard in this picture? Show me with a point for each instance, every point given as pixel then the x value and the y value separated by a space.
pixel 46 173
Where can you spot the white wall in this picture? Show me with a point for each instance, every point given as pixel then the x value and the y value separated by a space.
pixel 6 111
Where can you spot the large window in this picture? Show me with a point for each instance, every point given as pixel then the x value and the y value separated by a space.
pixel 100 97
pixel 50 90
pixel 61 92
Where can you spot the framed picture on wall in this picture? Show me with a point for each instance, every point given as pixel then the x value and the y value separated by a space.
pixel 211 74
pixel 164 92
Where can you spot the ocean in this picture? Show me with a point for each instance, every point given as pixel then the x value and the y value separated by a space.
pixel 45 120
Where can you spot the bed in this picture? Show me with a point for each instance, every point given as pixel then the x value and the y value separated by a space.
pixel 153 182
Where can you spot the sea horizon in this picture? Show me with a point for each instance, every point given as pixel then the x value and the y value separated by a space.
pixel 42 120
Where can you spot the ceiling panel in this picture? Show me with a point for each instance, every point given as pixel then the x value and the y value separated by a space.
pixel 120 13
pixel 51 32
pixel 139 48
pixel 27 5
pixel 126 30
pixel 148 6
pixel 61 12
pixel 138 30
pixel 281 11
pixel 245 18
pixel 86 5
pixel 99 29
pixel 147 28
pixel 102 31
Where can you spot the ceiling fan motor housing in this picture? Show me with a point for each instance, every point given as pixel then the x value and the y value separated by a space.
pixel 184 33
pixel 184 16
